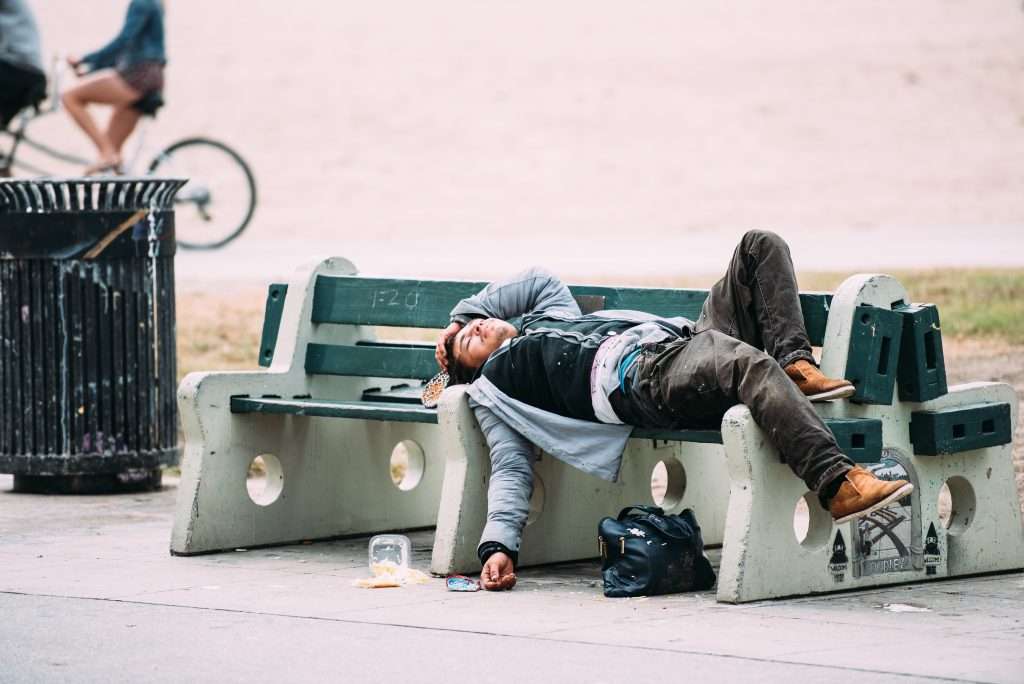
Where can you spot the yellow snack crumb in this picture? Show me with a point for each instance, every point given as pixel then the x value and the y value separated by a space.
pixel 388 574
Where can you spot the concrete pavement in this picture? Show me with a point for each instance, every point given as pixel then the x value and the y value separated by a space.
pixel 89 593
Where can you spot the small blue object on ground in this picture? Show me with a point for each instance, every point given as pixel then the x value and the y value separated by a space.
pixel 462 583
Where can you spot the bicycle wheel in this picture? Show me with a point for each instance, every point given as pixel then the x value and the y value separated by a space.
pixel 218 201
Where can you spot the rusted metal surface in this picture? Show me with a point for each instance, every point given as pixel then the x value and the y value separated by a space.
pixel 87 333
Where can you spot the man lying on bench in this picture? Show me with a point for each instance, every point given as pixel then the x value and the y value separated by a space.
pixel 576 385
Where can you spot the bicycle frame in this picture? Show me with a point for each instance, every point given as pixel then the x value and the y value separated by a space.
pixel 9 160
pixel 200 202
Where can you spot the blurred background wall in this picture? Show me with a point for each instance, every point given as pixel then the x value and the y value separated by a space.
pixel 600 138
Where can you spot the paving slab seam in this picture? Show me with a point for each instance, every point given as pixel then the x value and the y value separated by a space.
pixel 581 642
pixel 392 606
pixel 551 634
pixel 983 632
pixel 932 586
pixel 126 597
pixel 971 595
pixel 842 623
pixel 827 622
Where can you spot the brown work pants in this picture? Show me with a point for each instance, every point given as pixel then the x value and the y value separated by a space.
pixel 750 328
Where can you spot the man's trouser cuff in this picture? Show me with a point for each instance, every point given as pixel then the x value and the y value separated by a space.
pixel 797 355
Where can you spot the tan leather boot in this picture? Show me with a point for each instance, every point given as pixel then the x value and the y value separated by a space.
pixel 863 493
pixel 813 383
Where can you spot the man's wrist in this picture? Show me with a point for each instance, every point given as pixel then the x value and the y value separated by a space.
pixel 489 548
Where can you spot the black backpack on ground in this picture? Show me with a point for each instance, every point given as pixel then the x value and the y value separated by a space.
pixel 649 553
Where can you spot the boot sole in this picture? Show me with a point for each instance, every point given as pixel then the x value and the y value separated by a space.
pixel 898 494
pixel 837 393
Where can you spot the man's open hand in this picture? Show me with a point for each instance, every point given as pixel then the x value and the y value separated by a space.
pixel 498 573
pixel 439 353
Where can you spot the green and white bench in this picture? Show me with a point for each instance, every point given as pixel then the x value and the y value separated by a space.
pixel 334 401
pixel 330 477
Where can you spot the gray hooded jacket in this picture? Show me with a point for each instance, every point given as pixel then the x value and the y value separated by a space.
pixel 512 428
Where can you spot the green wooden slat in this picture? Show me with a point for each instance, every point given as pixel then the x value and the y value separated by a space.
pixel 426 303
pixel 385 301
pixel 402 395
pixel 688 303
pixel 371 361
pixel 403 344
pixel 324 408
pixel 814 304
pixel 272 321
pixel 654 300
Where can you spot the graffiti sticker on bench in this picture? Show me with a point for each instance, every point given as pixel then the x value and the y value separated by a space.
pixel 884 539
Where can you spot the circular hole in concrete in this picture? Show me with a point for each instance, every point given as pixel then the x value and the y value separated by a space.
pixel 668 483
pixel 407 464
pixel 536 500
pixel 812 524
pixel 265 479
pixel 957 504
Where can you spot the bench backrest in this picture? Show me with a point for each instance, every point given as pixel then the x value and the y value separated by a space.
pixel 356 300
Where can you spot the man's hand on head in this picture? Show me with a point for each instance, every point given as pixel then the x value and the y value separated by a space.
pixel 439 352
pixel 498 573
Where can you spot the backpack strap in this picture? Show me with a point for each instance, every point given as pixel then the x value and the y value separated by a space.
pixel 624 513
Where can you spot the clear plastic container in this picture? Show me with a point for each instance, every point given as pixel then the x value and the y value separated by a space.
pixel 390 548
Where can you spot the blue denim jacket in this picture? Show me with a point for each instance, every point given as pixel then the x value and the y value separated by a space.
pixel 141 39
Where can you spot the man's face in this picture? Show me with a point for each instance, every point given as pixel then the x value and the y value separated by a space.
pixel 479 338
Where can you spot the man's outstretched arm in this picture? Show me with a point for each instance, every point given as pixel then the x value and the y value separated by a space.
pixel 508 499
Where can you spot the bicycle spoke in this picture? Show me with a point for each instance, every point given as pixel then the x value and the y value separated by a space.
pixel 217 202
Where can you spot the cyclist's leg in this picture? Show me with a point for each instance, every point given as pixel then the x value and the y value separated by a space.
pixel 122 123
pixel 102 87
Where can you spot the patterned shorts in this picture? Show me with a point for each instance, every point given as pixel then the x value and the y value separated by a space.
pixel 144 77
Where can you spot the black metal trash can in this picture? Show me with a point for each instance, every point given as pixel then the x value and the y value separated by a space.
pixel 87 338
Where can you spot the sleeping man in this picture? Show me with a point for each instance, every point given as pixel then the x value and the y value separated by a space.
pixel 543 374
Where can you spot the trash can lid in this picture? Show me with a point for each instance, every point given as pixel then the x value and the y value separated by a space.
pixel 87 218
pixel 124 193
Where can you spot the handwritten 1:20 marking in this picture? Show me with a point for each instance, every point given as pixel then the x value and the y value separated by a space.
pixel 393 297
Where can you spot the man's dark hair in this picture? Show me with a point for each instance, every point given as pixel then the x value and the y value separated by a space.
pixel 458 374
